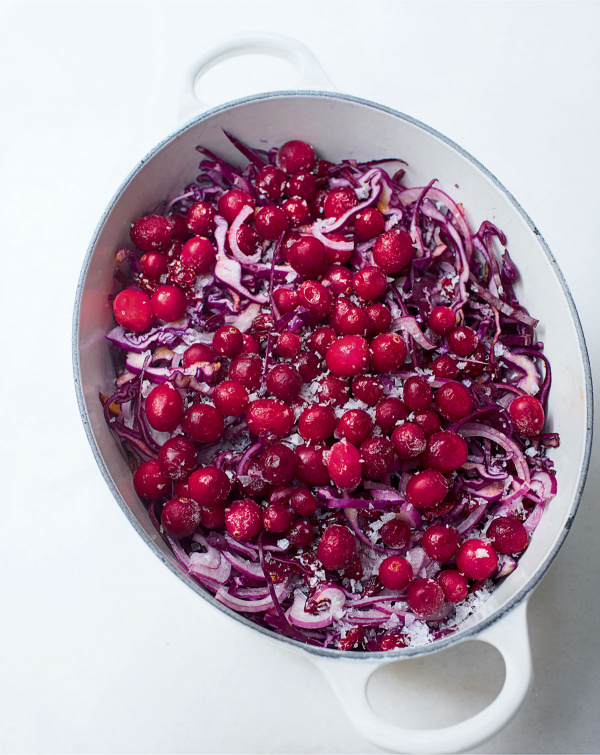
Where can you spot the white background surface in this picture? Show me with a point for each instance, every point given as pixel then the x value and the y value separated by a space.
pixel 102 649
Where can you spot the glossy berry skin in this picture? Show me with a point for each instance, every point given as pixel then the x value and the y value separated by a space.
pixel 338 256
pixel 270 182
pixel 454 584
pixel 476 559
pixel 230 398
pixel 164 408
pixel 284 382
pixel 409 441
pixel 303 502
pixel 447 451
pixel 228 341
pixel 209 486
pixel 309 366
pixel 527 415
pixel 347 356
pixel 355 322
pixel 154 264
pixel 271 221
pixel 252 484
pixel 132 310
pixel 426 489
pixel 396 533
pixel 428 420
pixel 377 454
pixel 441 320
pixel 199 254
pixel 308 257
pixel 200 219
pixel 300 534
pixel 203 423
pixel 269 415
pixel 197 353
pixel 445 366
pixel 453 401
pixel 477 362
pixel 368 223
pixel 355 426
pixel 247 369
pixel 286 299
pixel 177 458
pixel 152 233
pixel 507 535
pixel 302 184
pixel 338 280
pixel 168 303
pixel 150 481
pixel 317 422
pixel 180 517
pixel 278 464
pixel 388 412
pixel 440 542
pixel 345 466
pixel 339 201
pixel 212 518
pixel 336 547
pixel 417 393
pixel 277 517
pixel 380 317
pixel 425 597
pixel 232 202
pixel 249 344
pixel 316 298
pixel 180 231
pixel 243 519
pixel 297 212
pixel 395 573
pixel 370 283
pixel 462 341
pixel 340 307
pixel 367 389
pixel 288 345
pixel 295 155
pixel 321 339
pixel 393 251
pixel 388 352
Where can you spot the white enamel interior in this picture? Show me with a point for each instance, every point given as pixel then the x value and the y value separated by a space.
pixel 345 128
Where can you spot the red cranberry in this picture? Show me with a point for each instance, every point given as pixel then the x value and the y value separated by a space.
pixel 271 221
pixel 317 422
pixel 440 542
pixel 409 441
pixel 270 182
pixel 303 502
pixel 232 202
pixel 445 366
pixel 300 534
pixel 447 451
pixel 380 317
pixel 289 239
pixel 428 421
pixel 426 489
pixel 344 465
pixel 302 184
pixel 340 307
pixel 321 339
pixel 393 640
pixel 227 341
pixel 212 519
pixel 339 280
pixel 311 469
pixel 441 320
pixel 247 240
pixel 286 300
pixel 203 423
pixel 507 535
pixel 333 390
pixel 200 219
pixel 367 389
pixel 209 486
pixel 288 345
pixel 309 366
pixel 355 322
pixel 527 415
pixel 355 425
pixel 262 325
pixel 154 264
pixel 339 201
pixel 168 303
pixel 478 361
pixel 150 481
pixel 454 585
pixel 476 559
pixel 180 517
pixel 251 483
pixel 199 254
pixel 277 517
pixel 181 275
pixel 388 412
pixel 462 341
pixel 425 597
pixel 249 344
pixel 297 212
pixel 316 204
pixel 243 519
pixel 152 233
pixel 133 310
pixel 388 352
pixel 338 256
pixel 347 356
pixel 453 401
pixel 321 171
pixel 294 156
pixel 180 231
pixel 368 223
pixel 247 369
pixel 278 464
pixel 396 533
pixel 196 353
pixel 230 398
pixel 307 256
pixel 177 458
pixel 370 283
pixel 417 393
pixel 269 414
pixel 164 408
pixel 393 251
pixel 395 573
pixel 377 454
pixel 284 382
pixel 315 297
pixel 336 547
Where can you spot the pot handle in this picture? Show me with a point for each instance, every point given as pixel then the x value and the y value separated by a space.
pixel 349 680
pixel 312 75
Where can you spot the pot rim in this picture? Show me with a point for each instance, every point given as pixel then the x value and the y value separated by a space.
pixel 408 652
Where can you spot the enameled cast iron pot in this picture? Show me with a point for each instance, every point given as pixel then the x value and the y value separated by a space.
pixel 340 126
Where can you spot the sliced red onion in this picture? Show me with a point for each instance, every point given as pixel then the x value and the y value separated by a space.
pixel 244 567
pixel 251 606
pixel 473 518
pixel 410 326
pixel 352 517
pixel 530 383
pixel 237 253
pixel 333 600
